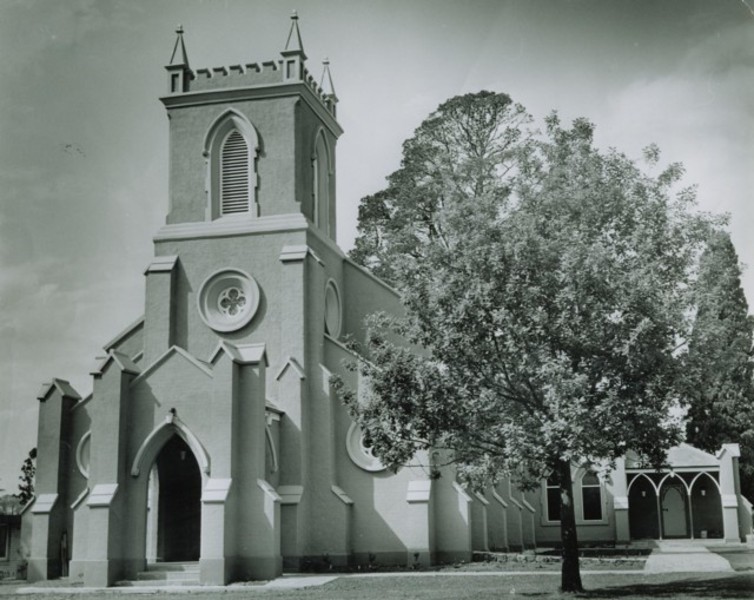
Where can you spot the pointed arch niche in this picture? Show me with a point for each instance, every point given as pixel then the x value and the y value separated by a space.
pixel 231 147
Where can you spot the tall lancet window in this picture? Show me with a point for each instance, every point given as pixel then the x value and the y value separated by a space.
pixel 234 183
pixel 321 185
pixel 230 148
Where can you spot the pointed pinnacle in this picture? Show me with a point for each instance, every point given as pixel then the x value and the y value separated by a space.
pixel 293 44
pixel 328 89
pixel 179 56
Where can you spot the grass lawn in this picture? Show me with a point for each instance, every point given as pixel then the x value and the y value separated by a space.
pixel 477 587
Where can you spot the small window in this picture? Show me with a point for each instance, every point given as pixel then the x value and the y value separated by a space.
pixel 591 497
pixel 553 499
pixel 234 182
pixel 4 539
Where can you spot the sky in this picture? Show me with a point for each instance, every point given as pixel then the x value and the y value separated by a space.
pixel 83 136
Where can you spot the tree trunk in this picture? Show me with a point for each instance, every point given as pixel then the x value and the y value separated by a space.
pixel 570 579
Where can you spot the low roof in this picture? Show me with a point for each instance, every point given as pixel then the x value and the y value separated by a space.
pixel 681 456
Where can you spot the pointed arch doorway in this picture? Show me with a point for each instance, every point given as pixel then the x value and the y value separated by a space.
pixel 175 487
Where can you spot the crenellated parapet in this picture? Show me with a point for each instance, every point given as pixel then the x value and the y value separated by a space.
pixel 289 69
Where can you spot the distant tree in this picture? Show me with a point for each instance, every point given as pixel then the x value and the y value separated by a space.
pixel 28 469
pixel 719 362
pixel 547 284
pixel 9 505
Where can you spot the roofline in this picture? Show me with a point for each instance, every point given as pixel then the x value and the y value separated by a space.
pixel 124 334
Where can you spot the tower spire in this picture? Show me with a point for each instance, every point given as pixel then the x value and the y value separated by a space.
pixel 179 56
pixel 293 45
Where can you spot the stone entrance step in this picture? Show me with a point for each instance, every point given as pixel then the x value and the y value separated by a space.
pixel 165 574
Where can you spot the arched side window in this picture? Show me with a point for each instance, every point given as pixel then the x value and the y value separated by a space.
pixel 231 148
pixel 591 497
pixel 321 184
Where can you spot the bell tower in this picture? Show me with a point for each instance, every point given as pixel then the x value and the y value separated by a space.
pixel 251 141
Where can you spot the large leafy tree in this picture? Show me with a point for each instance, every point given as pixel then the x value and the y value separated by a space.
pixel 547 284
pixel 721 397
pixel 463 151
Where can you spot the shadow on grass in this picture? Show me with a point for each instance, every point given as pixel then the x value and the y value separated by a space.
pixel 736 586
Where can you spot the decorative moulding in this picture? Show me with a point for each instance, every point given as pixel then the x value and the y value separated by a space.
pixel 44 504
pixel 272 412
pixel 516 503
pixel 419 491
pixel 461 492
pixel 293 364
pixel 345 498
pixel 26 507
pixel 341 345
pixel 481 498
pixel 123 361
pixel 83 401
pixel 170 424
pixel 333 309
pixel 139 323
pixel 102 494
pixel 162 264
pixel 528 506
pixel 231 226
pixel 297 253
pixel 202 366
pixel 290 494
pixel 228 300
pixel 81 497
pixel 733 450
pixel 80 448
pixel 359 453
pixel 268 490
pixel 66 390
pixel 243 354
pixel 216 491
pixel 271 444
pixel 499 498
pixel 271 90
pixel 363 271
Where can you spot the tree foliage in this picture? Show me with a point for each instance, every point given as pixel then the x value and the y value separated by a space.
pixel 461 152
pixel 28 469
pixel 546 282
pixel 719 362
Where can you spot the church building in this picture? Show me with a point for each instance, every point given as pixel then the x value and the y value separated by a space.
pixel 212 438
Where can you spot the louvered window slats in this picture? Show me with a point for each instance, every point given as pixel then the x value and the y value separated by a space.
pixel 234 183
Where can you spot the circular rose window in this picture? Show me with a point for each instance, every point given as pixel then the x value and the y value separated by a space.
pixel 332 310
pixel 359 452
pixel 228 300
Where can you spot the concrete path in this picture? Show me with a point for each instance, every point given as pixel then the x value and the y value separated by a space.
pixel 684 556
pixel 281 583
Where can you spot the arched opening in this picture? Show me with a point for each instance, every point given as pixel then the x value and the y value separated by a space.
pixel 231 147
pixel 642 510
pixel 707 508
pixel 675 514
pixel 175 488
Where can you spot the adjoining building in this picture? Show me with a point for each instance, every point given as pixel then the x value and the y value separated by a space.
pixel 212 434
